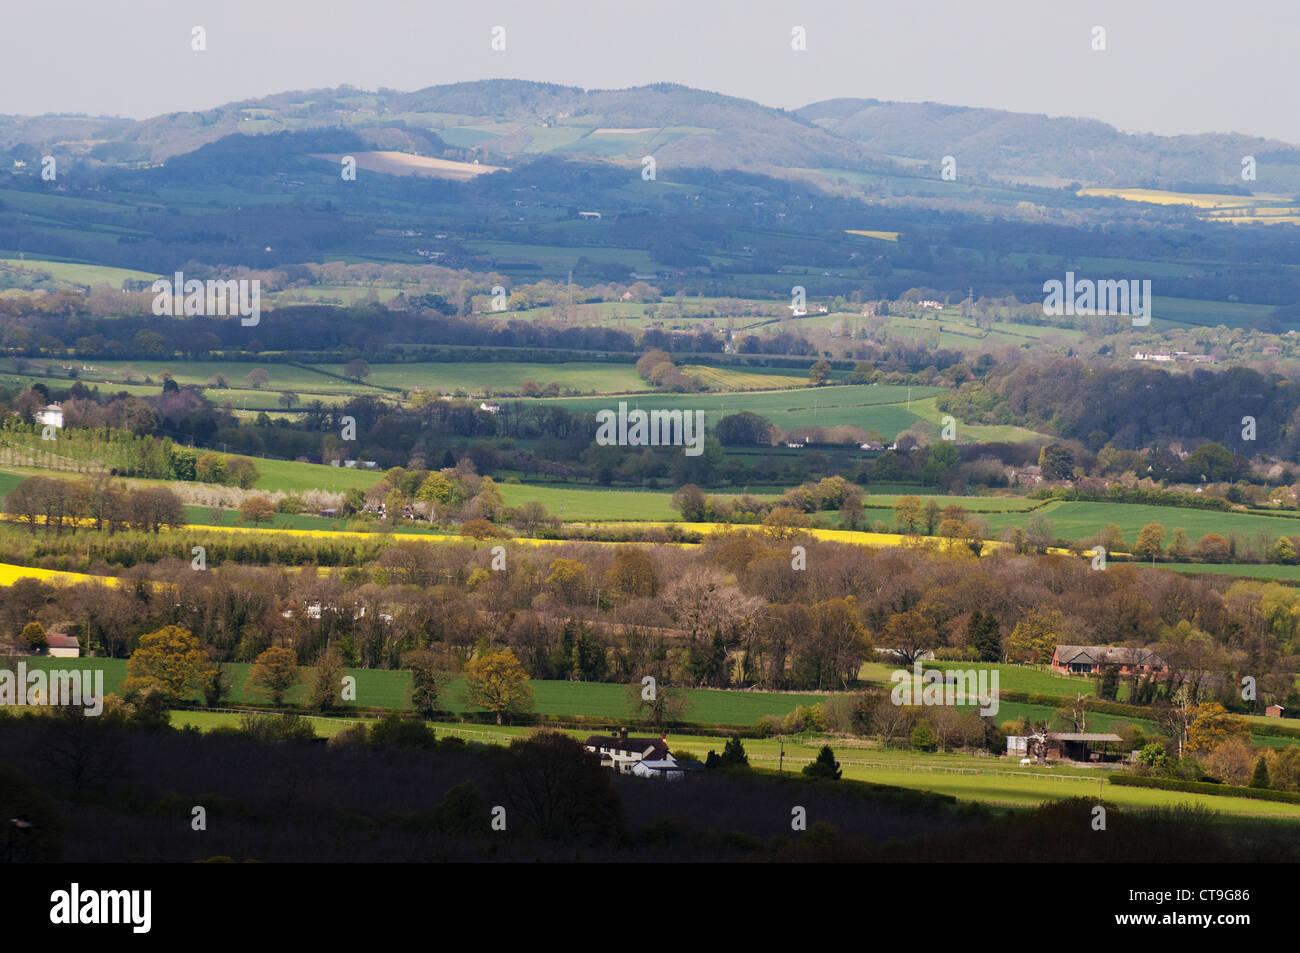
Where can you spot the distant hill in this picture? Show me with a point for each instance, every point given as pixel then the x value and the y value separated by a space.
pixel 1040 150
pixel 504 122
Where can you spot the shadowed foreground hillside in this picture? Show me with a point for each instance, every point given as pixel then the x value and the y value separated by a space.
pixel 95 791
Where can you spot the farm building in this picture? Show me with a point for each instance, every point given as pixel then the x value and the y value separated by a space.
pixel 62 646
pixel 1079 745
pixel 622 753
pixel 668 770
pixel 1091 659
pixel 50 416
pixel 1068 746
pixel 1274 711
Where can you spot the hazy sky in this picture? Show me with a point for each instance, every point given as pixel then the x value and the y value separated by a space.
pixel 1171 66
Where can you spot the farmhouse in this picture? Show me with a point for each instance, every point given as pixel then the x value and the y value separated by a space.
pixel 1092 659
pixel 622 753
pixel 50 416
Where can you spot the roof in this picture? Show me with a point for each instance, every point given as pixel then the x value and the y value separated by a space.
pixel 633 745
pixel 1106 654
pixel 56 640
pixel 1082 736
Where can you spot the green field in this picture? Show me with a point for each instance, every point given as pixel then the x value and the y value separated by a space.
pixel 1075 521
pixel 392 689
pixel 487 377
pixel 1262 571
pixel 78 274
pixel 882 407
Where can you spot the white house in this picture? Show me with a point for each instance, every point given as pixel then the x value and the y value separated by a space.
pixel 50 416
pixel 622 753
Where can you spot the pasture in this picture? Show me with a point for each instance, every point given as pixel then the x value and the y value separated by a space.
pixel 1079 520
pixel 493 377
pixel 881 407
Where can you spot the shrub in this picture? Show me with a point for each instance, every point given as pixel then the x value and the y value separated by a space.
pixel 393 731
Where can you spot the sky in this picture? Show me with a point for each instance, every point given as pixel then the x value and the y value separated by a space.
pixel 1169 66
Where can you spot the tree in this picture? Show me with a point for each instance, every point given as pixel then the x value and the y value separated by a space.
pixel 923 737
pixel 745 429
pixel 496 681
pixel 427 680
pixel 982 634
pixel 462 810
pixel 169 659
pixel 480 529
pixel 358 369
pixel 210 468
pixel 274 672
pixel 907 513
pixel 394 504
pixel 559 790
pixel 568 576
pixel 154 507
pixel 691 502
pixel 241 472
pixel 933 516
pixel 1040 532
pixel 825 766
pixel 257 377
pixel 852 515
pixel 733 755
pixel 819 373
pixel 1210 461
pixel 256 509
pixel 1211 724
pixel 1056 461
pixel 633 574
pixel 910 634
pixel 1035 637
pixel 327 681
pixel 782 521
pixel 661 707
pixel 1213 548
pixel 33 636
pixel 531 517
pixel 1179 545
pixel 1149 541
pixel 1260 778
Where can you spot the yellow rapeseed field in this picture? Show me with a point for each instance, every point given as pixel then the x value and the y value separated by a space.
pixel 9 574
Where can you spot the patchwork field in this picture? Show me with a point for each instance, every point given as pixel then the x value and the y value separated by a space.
pixel 882 407
pixel 486 377
pixel 1074 521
